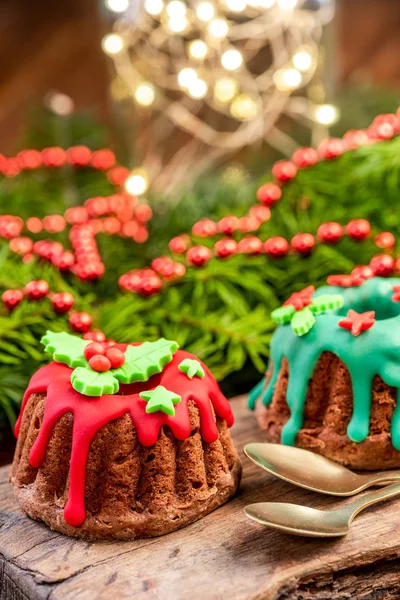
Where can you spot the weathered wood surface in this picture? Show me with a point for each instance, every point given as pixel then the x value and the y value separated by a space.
pixel 222 556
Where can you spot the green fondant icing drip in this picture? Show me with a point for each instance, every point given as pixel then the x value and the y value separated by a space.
pixel 373 352
pixel 255 394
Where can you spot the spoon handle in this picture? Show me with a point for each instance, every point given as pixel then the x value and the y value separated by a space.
pixel 353 508
pixel 383 476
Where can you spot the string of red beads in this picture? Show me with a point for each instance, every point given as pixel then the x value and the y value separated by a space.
pixel 383 127
pixel 122 213
pixel 62 303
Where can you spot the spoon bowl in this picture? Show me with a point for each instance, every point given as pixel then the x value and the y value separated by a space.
pixel 312 471
pixel 298 520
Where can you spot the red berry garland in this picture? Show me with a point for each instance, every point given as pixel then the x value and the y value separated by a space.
pixel 62 302
pixel 385 240
pixel 250 245
pixel 330 233
pixel 284 170
pixel 358 229
pixel 198 256
pixel 228 225
pixel 382 265
pixel 11 298
pixel 276 247
pixel 120 215
pixel 36 290
pixel 305 157
pixel 269 193
pixel 122 206
pixel 204 228
pixel 179 244
pixel 303 243
pixel 80 322
pixel 331 148
pixel 95 335
pixel 21 245
pixel 247 224
pixel 261 213
pixel 225 247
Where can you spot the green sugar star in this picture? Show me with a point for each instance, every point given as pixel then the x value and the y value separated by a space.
pixel 160 399
pixel 192 368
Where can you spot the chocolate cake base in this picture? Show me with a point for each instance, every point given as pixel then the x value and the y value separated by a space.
pixel 327 413
pixel 132 491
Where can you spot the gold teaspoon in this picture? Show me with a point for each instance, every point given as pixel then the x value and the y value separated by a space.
pixel 310 522
pixel 312 471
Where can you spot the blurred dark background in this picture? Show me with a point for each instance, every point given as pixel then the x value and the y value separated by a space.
pixel 50 46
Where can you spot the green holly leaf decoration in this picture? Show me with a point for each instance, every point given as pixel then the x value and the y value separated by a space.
pixel 88 382
pixel 283 314
pixel 65 348
pixel 326 302
pixel 192 368
pixel 141 362
pixel 160 399
pixel 302 321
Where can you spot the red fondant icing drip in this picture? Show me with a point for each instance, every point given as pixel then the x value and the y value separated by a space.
pixel 91 414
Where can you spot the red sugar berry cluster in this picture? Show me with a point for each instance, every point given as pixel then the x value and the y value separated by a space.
pixel 102 358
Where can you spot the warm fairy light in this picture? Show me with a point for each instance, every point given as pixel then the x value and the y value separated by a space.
pixel 225 89
pixel 60 104
pixel 137 183
pixel 287 79
pixel 198 89
pixel 198 49
pixel 244 108
pixel 326 114
pixel 176 8
pixel 186 77
pixel 112 43
pixel 287 4
pixel 231 60
pixel 145 94
pixel 177 24
pixel 303 60
pixel 205 52
pixel 236 5
pixel 153 7
pixel 205 11
pixel 218 28
pixel 118 6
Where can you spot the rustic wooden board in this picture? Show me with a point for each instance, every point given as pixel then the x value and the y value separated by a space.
pixel 222 556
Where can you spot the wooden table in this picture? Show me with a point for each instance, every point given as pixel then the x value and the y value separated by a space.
pixel 223 555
